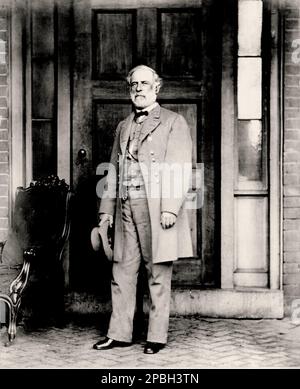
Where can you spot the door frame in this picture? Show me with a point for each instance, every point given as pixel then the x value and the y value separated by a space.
pixel 227 148
pixel 85 18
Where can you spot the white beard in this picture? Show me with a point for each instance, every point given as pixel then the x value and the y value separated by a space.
pixel 144 100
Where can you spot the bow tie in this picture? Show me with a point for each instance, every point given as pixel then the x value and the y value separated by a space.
pixel 141 113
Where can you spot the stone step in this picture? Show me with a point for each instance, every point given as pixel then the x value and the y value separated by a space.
pixel 254 304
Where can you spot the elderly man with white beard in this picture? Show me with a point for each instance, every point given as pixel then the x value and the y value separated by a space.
pixel 150 220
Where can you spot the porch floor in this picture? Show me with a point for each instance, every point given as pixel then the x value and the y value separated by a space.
pixel 194 342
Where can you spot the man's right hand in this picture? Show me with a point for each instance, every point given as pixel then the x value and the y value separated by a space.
pixel 104 217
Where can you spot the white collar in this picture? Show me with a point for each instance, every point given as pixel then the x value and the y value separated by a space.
pixel 150 108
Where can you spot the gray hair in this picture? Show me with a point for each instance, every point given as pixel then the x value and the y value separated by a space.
pixel 157 79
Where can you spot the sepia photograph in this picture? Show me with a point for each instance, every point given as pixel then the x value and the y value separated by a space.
pixel 149 187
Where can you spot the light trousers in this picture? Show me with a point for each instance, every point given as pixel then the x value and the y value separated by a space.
pixel 137 247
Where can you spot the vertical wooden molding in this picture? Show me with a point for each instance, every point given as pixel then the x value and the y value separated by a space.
pixel 64 136
pixel 275 156
pixel 63 92
pixel 227 144
pixel 28 94
pixel 82 95
pixel 17 108
pixel 147 36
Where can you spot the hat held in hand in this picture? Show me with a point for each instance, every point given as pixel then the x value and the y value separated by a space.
pixel 99 238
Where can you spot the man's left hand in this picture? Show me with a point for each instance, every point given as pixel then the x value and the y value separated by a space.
pixel 167 219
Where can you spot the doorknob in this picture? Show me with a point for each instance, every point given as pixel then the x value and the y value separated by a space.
pixel 81 157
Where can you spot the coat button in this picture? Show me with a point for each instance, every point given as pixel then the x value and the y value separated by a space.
pixel 152 152
pixel 153 159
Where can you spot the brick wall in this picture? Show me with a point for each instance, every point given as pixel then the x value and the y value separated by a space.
pixel 291 157
pixel 4 145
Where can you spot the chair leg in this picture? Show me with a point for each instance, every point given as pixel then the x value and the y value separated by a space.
pixel 13 301
pixel 12 327
pixel 11 331
pixel 18 285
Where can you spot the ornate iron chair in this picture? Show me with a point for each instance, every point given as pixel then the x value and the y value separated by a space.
pixel 34 247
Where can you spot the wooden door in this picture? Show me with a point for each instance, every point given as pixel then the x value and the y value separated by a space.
pixel 182 43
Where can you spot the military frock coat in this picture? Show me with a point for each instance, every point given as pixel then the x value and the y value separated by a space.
pixel 165 156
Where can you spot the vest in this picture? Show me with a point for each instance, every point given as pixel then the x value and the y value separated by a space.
pixel 132 172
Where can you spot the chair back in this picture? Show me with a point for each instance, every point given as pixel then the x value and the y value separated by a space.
pixel 41 219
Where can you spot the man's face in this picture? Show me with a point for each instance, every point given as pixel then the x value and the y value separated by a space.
pixel 142 89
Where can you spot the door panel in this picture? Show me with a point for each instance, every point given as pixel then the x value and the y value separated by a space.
pixel 179 33
pixel 43 98
pixel 108 42
pixel 113 55
pixel 251 243
pixel 106 119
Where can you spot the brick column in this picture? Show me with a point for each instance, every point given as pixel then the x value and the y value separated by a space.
pixel 291 158
pixel 4 132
